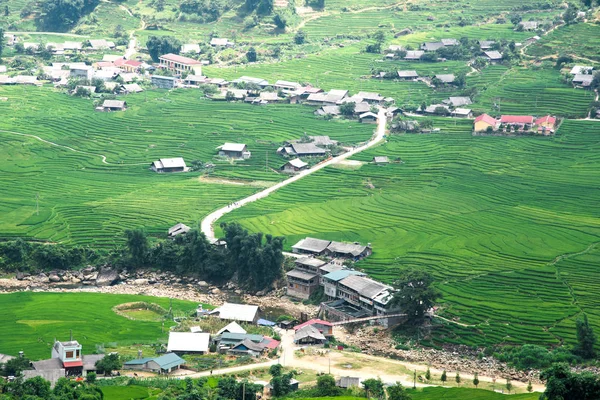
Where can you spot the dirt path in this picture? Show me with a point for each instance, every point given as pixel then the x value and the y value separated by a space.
pixel 327 14
pixel 103 157
pixel 48 33
pixel 210 219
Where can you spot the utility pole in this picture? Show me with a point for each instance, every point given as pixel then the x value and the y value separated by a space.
pixel 244 391
pixel 415 379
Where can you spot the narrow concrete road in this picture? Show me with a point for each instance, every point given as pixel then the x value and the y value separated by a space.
pixel 207 223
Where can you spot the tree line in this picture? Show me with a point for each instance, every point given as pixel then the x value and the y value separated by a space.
pixel 254 259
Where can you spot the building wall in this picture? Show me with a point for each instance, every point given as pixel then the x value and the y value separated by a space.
pixel 481 126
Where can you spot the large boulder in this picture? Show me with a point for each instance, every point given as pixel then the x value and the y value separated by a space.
pixel 106 277
pixel 54 278
pixel 140 281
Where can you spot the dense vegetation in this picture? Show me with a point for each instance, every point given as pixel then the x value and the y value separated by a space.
pixel 61 15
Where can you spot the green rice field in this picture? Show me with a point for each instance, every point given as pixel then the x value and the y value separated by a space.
pixel 580 40
pixel 83 200
pixel 32 321
pixel 488 216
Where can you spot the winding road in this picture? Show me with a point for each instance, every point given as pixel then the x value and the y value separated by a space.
pixel 207 223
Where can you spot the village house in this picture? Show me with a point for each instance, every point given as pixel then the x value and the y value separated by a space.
pixel 221 42
pixel 234 150
pixel 432 46
pixel 301 284
pixel 232 327
pixel 331 279
pixel 437 109
pixel 520 121
pixel 583 80
pixel 450 42
pixel 310 246
pixel 330 98
pixel 294 166
pixel 188 342
pixel 483 122
pixel 324 327
pixel 190 48
pixel 180 64
pixel 286 85
pixel 486 44
pixel 529 25
pixel 414 55
pixel 101 44
pixel 493 56
pixel 368 118
pixel 163 165
pixel 446 78
pixel 302 150
pixel 546 125
pixel 163 82
pixel 361 108
pixel 237 312
pixel 179 229
pixel 130 65
pixel 161 365
pixel 250 80
pixel 113 105
pixel 458 101
pixel 354 251
pixel 462 113
pixel 130 88
pixel 247 347
pixel 324 141
pixel 328 110
pixel 230 339
pixel 581 70
pixel 309 335
pixel 407 75
pixel 270 97
pixel 81 71
pixel 370 97
pixel 381 160
pixel 347 382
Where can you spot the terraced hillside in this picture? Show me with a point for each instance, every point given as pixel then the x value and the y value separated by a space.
pixel 487 215
pixel 104 199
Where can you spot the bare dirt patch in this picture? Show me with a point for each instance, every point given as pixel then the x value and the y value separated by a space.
pixel 221 181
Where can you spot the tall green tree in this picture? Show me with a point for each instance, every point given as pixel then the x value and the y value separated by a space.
pixel 374 388
pixel 1 40
pixel 251 55
pixel 326 386
pixel 586 339
pixel 415 294
pixel 397 392
pixel 157 46
pixel 137 245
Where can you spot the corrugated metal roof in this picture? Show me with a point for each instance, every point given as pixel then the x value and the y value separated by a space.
pixel 233 327
pixel 237 312
pixel 341 274
pixel 301 275
pixel 187 341
pixel 364 286
pixel 312 244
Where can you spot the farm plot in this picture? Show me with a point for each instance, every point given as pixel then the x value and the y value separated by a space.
pixel 31 321
pixel 486 215
pixel 579 40
pixel 525 91
pixel 85 201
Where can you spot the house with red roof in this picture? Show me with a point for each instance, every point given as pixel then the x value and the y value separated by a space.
pixel 520 120
pixel 547 122
pixel 484 122
pixel 325 327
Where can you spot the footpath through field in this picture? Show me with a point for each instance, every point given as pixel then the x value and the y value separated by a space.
pixel 207 223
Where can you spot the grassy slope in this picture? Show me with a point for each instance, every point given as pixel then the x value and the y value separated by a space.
pixel 436 393
pixel 31 321
pixel 84 201
pixel 486 215
pixel 125 392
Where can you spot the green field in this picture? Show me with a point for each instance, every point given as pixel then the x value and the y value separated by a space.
pixel 125 392
pixel 486 215
pixel 31 321
pixel 579 40
pixel 85 201
pixel 436 393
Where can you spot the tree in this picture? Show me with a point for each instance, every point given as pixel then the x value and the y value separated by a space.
pixel 457 378
pixel 137 244
pixel 61 15
pixel 276 370
pixel 348 108
pixel 562 384
pixel 108 364
pixel 515 19
pixel 374 388
pixel 415 294
pixel 6 11
pixel 444 377
pixel 251 55
pixel 37 386
pixel 476 379
pixel 14 366
pixel 397 392
pixel 265 7
pixel 428 374
pixel 80 91
pixel 586 339
pixel 280 20
pixel 300 37
pixel 326 386
pixel 570 15
pixel 529 386
pixel 1 40
pixel 460 80
pixel 91 377
pixel 157 46
pixel 509 385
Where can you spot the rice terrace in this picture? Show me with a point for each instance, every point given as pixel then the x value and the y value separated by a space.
pixel 232 193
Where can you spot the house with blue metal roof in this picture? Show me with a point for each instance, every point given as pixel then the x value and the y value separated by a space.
pixel 330 281
pixel 161 365
pixel 229 339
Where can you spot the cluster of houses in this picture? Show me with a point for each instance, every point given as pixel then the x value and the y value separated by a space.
pixel 350 294
pixel 582 76
pixel 515 124
pixel 453 106
pixel 486 47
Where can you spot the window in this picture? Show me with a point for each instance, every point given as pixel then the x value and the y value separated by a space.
pixel 78 354
pixel 69 354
